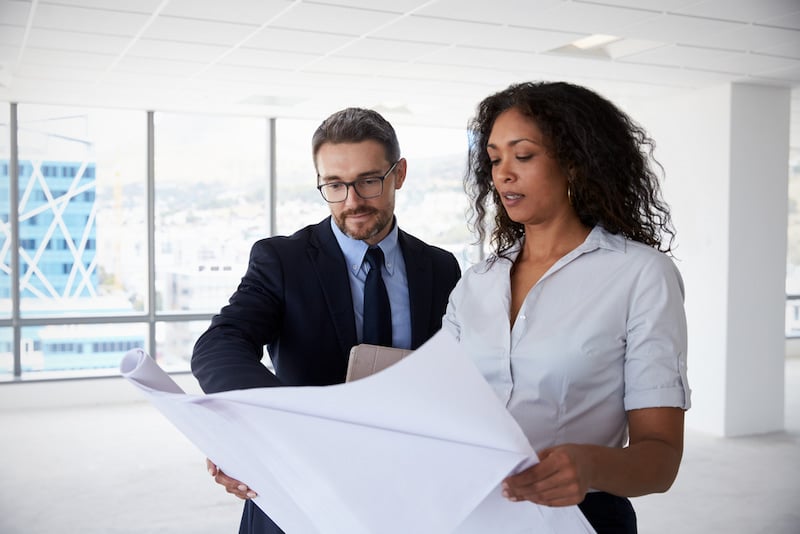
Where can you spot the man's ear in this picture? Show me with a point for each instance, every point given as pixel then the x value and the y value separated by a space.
pixel 400 173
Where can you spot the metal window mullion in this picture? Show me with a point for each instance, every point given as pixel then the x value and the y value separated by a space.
pixel 13 219
pixel 151 236
pixel 272 178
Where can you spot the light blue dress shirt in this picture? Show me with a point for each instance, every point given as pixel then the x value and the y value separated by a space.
pixel 394 277
pixel 602 332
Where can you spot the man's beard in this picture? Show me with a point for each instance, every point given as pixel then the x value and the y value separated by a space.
pixel 364 231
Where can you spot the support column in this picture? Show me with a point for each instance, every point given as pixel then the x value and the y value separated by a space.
pixel 725 151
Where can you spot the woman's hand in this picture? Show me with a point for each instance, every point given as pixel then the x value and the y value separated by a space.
pixel 561 478
pixel 231 485
pixel 648 464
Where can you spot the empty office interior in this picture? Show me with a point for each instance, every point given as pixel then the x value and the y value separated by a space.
pixel 144 146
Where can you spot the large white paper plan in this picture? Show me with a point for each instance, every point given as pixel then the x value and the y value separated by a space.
pixel 419 447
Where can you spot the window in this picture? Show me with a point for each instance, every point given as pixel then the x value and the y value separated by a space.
pixel 211 180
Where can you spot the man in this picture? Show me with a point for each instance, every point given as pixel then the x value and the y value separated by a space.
pixel 303 296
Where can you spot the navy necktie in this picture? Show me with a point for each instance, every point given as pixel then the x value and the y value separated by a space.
pixel 377 311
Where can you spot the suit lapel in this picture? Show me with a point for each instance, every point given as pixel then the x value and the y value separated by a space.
pixel 419 271
pixel 329 264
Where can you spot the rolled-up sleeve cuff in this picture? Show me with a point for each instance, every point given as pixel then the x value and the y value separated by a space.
pixel 673 397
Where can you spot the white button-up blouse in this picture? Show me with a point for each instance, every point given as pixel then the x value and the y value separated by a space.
pixel 602 332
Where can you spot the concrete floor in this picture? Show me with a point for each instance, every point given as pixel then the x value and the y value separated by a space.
pixel 123 468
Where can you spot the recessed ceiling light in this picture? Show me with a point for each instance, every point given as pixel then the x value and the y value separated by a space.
pixel 605 47
pixel 593 41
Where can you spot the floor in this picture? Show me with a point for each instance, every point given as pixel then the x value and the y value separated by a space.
pixel 123 468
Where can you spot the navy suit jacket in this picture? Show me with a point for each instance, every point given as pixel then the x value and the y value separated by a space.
pixel 295 299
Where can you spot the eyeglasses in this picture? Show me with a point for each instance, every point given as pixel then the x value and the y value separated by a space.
pixel 366 188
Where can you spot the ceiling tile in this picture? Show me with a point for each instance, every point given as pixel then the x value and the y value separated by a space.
pixel 351 66
pixel 741 10
pixel 318 17
pixel 11 35
pixel 41 56
pixel 297 40
pixel 785 50
pixel 480 57
pixel 431 30
pixel 197 31
pixel 387 49
pixel 150 65
pixel 792 73
pixel 14 12
pixel 60 17
pixel 395 6
pixel 500 12
pixel 750 37
pixel 158 48
pixel 757 64
pixel 679 29
pixel 77 41
pixel 8 54
pixel 448 73
pixel 235 73
pixel 57 73
pixel 682 56
pixel 585 18
pixel 140 6
pixel 712 60
pixel 786 21
pixel 522 39
pixel 652 5
pixel 556 66
pixel 251 57
pixel 241 11
pixel 154 81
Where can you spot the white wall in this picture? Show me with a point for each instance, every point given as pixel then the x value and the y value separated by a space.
pixel 725 153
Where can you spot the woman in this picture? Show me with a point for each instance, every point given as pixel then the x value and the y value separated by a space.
pixel 577 318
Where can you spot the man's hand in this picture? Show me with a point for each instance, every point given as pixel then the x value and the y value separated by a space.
pixel 231 485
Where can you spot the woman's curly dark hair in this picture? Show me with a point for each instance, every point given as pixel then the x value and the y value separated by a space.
pixel 603 151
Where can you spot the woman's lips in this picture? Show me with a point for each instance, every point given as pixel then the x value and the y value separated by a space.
pixel 511 199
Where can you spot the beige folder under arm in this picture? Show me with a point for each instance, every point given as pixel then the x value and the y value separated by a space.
pixel 368 359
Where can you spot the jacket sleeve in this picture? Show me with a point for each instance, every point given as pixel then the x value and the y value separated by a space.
pixel 228 355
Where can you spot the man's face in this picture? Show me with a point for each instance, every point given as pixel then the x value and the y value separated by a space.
pixel 368 220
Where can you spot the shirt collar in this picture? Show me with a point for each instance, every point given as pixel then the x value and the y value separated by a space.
pixel 354 250
pixel 598 238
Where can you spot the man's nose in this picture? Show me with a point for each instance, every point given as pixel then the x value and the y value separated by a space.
pixel 352 199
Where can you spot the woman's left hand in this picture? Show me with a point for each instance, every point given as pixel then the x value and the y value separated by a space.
pixel 561 478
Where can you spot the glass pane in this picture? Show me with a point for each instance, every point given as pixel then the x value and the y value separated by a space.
pixel 211 176
pixel 174 343
pixel 298 203
pixel 61 351
pixel 83 237
pixel 432 204
pixel 6 354
pixel 5 226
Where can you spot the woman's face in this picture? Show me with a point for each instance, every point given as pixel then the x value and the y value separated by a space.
pixel 530 182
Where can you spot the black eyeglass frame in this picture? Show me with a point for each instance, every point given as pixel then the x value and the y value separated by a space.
pixel 353 184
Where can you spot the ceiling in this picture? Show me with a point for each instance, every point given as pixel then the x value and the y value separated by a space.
pixel 419 62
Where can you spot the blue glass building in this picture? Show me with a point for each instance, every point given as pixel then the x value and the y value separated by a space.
pixel 57 229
